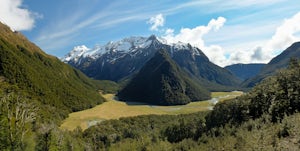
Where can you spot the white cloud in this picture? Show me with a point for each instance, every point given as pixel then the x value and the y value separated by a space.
pixel 156 22
pixel 258 54
pixel 194 36
pixel 216 24
pixel 285 34
pixel 253 55
pixel 240 57
pixel 18 18
pixel 169 32
pixel 216 54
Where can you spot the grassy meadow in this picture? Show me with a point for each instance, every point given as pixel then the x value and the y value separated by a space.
pixel 113 109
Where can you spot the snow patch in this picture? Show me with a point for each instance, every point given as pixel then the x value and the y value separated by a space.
pixel 76 53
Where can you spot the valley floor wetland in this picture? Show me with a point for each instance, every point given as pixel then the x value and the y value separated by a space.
pixel 114 109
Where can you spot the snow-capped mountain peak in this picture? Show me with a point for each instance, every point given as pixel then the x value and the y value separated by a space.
pixel 124 58
pixel 128 46
pixel 75 53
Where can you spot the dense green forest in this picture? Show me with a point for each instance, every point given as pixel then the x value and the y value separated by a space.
pixel 55 87
pixel 36 90
pixel 265 118
pixel 161 81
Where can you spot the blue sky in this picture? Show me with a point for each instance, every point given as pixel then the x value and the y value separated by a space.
pixel 232 31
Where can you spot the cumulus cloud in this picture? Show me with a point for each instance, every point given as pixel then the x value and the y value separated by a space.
pixel 285 34
pixel 216 54
pixel 194 36
pixel 169 32
pixel 13 15
pixel 240 57
pixel 255 54
pixel 259 55
pixel 156 22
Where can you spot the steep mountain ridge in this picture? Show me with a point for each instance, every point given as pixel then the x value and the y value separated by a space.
pixel 279 62
pixel 118 60
pixel 57 87
pixel 161 81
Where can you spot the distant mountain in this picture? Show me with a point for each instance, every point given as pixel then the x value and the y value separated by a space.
pixel 245 71
pixel 279 62
pixel 58 88
pixel 161 81
pixel 118 60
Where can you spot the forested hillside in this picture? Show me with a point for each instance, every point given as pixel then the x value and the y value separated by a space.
pixel 161 81
pixel 57 87
pixel 266 118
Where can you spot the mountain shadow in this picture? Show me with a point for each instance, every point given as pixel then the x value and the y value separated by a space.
pixel 161 81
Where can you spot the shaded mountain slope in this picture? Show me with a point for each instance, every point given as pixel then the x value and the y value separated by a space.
pixel 161 81
pixel 245 71
pixel 279 62
pixel 57 87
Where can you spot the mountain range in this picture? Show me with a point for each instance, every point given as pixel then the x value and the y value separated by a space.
pixel 245 71
pixel 122 59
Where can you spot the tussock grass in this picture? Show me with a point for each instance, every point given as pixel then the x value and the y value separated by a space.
pixel 113 109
